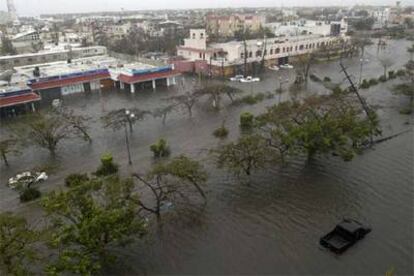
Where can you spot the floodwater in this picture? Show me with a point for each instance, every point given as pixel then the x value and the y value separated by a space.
pixel 271 223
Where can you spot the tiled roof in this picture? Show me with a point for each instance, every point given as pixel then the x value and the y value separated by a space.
pixel 147 77
pixel 68 81
pixel 19 99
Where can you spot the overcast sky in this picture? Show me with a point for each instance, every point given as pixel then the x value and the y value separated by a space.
pixel 36 7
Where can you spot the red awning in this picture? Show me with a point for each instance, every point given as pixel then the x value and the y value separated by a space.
pixel 147 77
pixel 20 99
pixel 69 81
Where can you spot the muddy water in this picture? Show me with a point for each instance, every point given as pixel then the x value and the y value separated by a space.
pixel 270 224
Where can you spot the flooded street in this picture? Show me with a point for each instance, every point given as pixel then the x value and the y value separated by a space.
pixel 270 224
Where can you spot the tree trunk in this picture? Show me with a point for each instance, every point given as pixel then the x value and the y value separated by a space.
pixel 4 157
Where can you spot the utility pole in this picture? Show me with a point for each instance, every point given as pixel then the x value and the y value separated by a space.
pixel 355 90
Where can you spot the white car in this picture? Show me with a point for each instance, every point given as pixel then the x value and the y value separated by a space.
pixel 250 79
pixel 286 66
pixel 237 78
pixel 26 178
pixel 274 68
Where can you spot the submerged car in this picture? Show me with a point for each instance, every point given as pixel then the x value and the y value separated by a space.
pixel 274 68
pixel 237 78
pixel 25 179
pixel 286 66
pixel 344 235
pixel 250 79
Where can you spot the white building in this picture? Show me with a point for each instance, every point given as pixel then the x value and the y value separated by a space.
pixel 303 27
pixel 273 50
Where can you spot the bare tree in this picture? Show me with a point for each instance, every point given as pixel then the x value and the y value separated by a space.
pixel 386 62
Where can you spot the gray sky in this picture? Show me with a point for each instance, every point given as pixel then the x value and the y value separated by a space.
pixel 36 7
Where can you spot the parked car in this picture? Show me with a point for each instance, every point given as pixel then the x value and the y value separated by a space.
pixel 274 68
pixel 344 235
pixel 250 79
pixel 237 78
pixel 286 66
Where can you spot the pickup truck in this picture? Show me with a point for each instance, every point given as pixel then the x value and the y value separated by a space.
pixel 344 235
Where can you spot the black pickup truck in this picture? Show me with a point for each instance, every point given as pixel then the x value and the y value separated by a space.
pixel 345 234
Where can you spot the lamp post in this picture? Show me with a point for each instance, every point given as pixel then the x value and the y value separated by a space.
pixel 281 82
pixel 362 60
pixel 129 118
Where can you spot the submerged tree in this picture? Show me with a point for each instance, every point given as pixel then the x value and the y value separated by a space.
pixel 163 112
pixel 171 181
pixel 17 242
pixel 243 156
pixel 187 100
pixel 216 91
pixel 88 221
pixel 48 129
pixel 321 124
pixel 8 146
pixel 78 122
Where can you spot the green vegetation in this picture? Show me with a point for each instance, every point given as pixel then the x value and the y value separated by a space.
pixel 382 78
pixel 254 99
pixel 107 167
pixel 16 245
pixel 246 120
pixel 160 148
pixel 76 179
pixel 88 222
pixel 29 193
pixel 314 78
pixel 326 79
pixel 221 132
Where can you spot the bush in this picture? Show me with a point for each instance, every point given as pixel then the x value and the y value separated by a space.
pixel 254 99
pixel 246 120
pixel 400 73
pixel 29 194
pixel 221 132
pixel 337 90
pixel 406 111
pixel 382 79
pixel 373 82
pixel 391 75
pixel 327 79
pixel 76 179
pixel 107 166
pixel 364 84
pixel 314 78
pixel 160 148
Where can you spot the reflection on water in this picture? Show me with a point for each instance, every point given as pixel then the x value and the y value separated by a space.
pixel 272 223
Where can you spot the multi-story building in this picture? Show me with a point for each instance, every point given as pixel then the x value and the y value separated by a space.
pixel 230 56
pixel 303 27
pixel 227 25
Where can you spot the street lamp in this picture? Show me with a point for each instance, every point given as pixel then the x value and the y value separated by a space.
pixel 281 82
pixel 362 60
pixel 129 116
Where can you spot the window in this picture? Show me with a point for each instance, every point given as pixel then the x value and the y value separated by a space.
pixel 271 51
pixel 283 50
pixel 301 47
pixel 242 55
pixel 296 47
pixel 258 53
pixel 251 54
pixel 291 48
pixel 199 55
pixel 202 35
pixel 194 35
pixel 277 50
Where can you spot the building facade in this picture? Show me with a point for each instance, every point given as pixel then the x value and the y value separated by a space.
pixel 228 25
pixel 235 53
